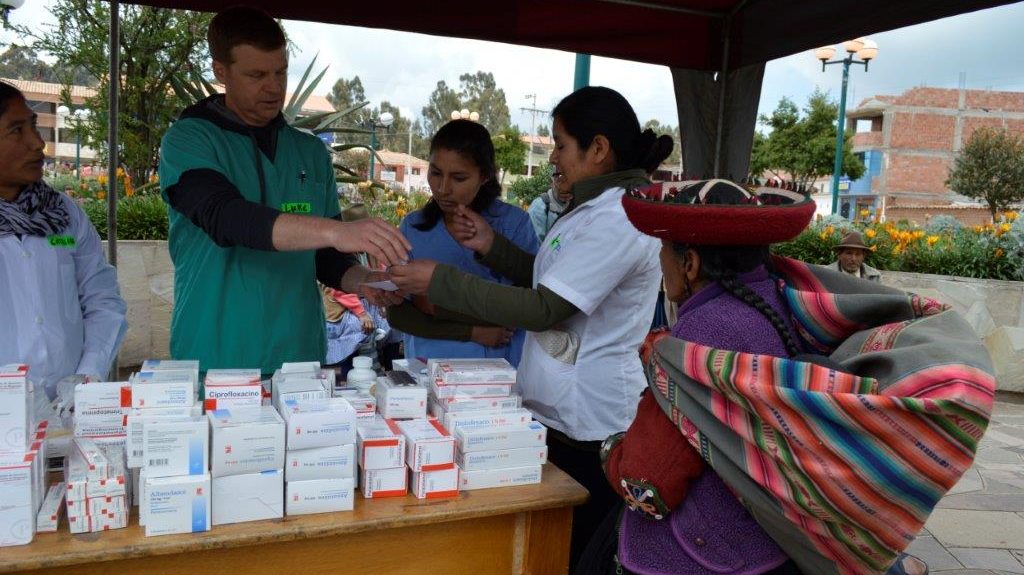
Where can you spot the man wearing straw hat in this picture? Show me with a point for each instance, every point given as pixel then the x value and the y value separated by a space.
pixel 851 253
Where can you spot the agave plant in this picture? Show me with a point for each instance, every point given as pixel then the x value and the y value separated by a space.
pixel 316 124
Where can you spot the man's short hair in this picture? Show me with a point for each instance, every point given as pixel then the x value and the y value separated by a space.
pixel 242 25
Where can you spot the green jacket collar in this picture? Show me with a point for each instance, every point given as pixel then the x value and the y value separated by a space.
pixel 590 188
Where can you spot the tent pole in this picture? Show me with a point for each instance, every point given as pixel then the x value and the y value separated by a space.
pixel 112 155
pixel 723 82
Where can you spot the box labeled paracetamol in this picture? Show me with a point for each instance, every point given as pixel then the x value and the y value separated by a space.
pixel 532 434
pixel 135 421
pixel 319 423
pixel 48 518
pixel 499 458
pixel 503 477
pixel 380 444
pixel 100 395
pixel 246 440
pixel 482 371
pixel 456 420
pixel 162 389
pixel 230 388
pixel 100 423
pixel 396 400
pixel 469 403
pixel 378 483
pixel 428 444
pixel 15 410
pixel 333 462
pixel 189 365
pixel 435 484
pixel 177 504
pixel 248 497
pixel 17 516
pixel 176 447
pixel 470 391
pixel 319 496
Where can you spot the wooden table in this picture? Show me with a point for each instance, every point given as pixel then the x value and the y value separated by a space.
pixel 505 530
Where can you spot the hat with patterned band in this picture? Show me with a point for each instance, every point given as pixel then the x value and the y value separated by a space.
pixel 694 213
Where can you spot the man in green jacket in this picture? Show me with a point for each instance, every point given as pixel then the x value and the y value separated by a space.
pixel 255 219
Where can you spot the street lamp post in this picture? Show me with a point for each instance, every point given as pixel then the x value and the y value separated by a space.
pixel 382 121
pixel 62 113
pixel 866 50
pixel 465 114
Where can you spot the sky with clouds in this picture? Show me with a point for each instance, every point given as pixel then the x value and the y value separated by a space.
pixel 404 68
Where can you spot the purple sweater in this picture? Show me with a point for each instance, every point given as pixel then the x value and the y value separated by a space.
pixel 716 318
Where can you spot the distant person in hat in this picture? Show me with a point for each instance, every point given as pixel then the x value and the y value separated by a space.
pixel 851 255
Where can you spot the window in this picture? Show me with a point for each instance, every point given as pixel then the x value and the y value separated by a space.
pixel 415 171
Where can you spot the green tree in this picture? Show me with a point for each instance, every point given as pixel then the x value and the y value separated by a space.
pixel 443 100
pixel 23 63
pixel 543 130
pixel 158 47
pixel 802 148
pixel 510 152
pixel 347 93
pixel 525 190
pixel 480 93
pixel 990 167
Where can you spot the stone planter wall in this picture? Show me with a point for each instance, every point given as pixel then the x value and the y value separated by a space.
pixel 994 308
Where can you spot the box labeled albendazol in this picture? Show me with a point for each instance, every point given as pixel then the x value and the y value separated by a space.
pixel 176 504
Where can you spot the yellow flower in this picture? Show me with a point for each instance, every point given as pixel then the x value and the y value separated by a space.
pixel 932 240
pixel 363 185
pixel 896 250
pixel 101 195
pixel 999 252
pixel 918 234
pixel 870 234
pixel 1005 228
pixel 829 230
pixel 874 248
pixel 102 179
pixel 1010 216
pixel 865 213
pixel 154 178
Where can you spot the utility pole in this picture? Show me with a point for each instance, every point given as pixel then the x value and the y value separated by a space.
pixel 533 129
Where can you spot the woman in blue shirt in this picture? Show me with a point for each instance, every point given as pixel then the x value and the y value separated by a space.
pixel 462 173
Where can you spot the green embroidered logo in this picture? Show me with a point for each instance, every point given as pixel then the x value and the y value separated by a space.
pixel 296 208
pixel 62 241
pixel 556 242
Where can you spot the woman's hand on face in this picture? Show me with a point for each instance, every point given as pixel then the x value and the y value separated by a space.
pixel 473 231
pixel 413 277
pixel 488 336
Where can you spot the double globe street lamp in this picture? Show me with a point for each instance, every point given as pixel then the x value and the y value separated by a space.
pixel 80 116
pixel 465 114
pixel 860 51
pixel 382 121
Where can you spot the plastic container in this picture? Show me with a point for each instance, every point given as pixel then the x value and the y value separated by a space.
pixel 362 375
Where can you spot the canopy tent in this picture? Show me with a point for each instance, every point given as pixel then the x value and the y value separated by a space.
pixel 716 48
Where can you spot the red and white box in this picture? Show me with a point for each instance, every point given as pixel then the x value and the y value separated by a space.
pixel 88 454
pixel 502 458
pixel 319 496
pixel 333 462
pixel 440 406
pixel 230 388
pixel 497 418
pixel 99 396
pixel 48 518
pixel 15 409
pixel 428 444
pixel 436 483
pixel 470 439
pixel 364 403
pixel 105 505
pixel 443 391
pixel 506 477
pixel 378 483
pixel 17 513
pixel 161 389
pixel 319 423
pixel 481 371
pixel 380 444
pixel 400 401
pixel 189 365
pixel 245 440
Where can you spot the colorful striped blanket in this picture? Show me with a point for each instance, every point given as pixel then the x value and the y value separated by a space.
pixel 841 465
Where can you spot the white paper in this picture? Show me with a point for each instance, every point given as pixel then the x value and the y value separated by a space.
pixel 386 285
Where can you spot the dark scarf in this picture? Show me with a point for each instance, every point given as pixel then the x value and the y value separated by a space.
pixel 37 211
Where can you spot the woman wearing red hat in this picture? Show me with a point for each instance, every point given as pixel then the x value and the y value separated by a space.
pixel 797 420
pixel 586 297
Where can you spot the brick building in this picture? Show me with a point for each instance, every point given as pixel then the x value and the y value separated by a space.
pixel 408 172
pixel 908 144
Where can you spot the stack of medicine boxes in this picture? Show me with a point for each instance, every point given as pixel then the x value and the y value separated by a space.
pixel 320 461
pixel 22 458
pixel 499 444
pixel 169 442
pixel 246 462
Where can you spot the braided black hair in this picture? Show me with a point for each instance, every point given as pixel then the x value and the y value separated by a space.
pixel 723 264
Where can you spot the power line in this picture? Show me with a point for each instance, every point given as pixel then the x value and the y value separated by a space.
pixel 533 110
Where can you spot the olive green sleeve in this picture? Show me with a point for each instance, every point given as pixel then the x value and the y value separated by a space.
pixel 407 318
pixel 510 260
pixel 510 306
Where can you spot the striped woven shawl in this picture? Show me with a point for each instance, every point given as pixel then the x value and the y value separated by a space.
pixel 842 468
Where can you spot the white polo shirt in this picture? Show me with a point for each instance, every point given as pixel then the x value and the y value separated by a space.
pixel 595 259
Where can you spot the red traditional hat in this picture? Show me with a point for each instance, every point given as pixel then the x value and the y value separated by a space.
pixel 765 216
